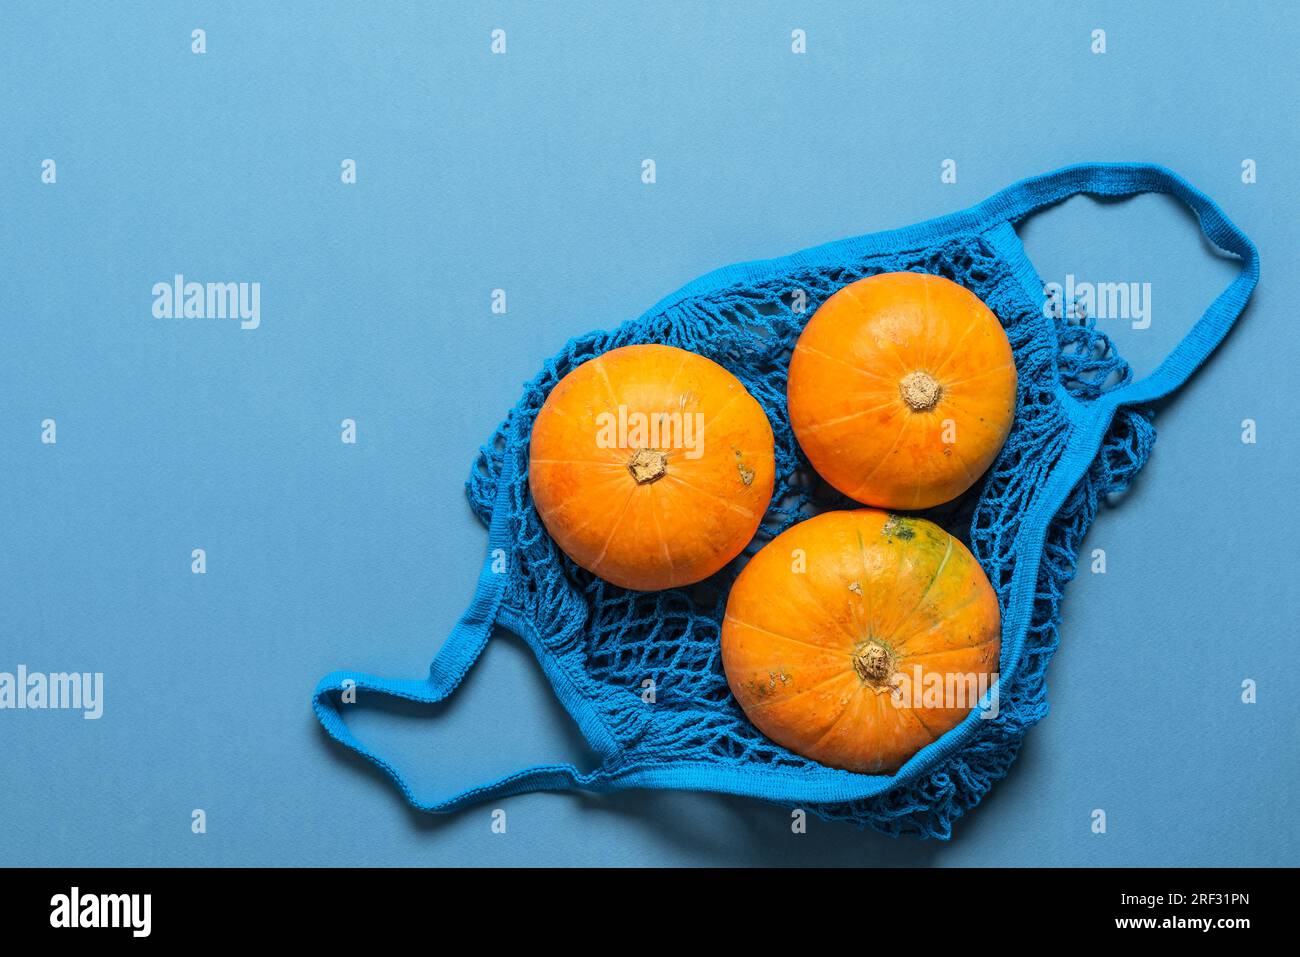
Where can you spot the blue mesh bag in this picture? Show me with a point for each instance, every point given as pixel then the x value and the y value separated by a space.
pixel 1082 430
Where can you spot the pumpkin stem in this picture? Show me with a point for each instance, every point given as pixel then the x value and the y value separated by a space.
pixel 920 391
pixel 647 466
pixel 874 663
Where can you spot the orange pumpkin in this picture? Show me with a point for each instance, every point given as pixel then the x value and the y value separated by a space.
pixel 902 388
pixel 857 638
pixel 651 466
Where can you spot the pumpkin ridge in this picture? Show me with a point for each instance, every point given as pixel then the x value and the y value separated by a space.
pixel 854 703
pixel 902 643
pixel 965 466
pixel 879 628
pixel 900 360
pixel 720 409
pixel 548 514
pixel 575 462
pixel 955 349
pixel 776 634
pixel 974 421
pixel 851 366
pixel 907 421
pixel 861 623
pixel 884 704
pixel 893 588
pixel 866 576
pixel 928 336
pixel 556 411
pixel 611 393
pixel 945 651
pixel 672 382
pixel 896 350
pixel 924 727
pixel 573 500
pixel 827 423
pixel 613 529
pixel 659 533
pixel 765 702
pixel 943 563
pixel 671 477
pixel 817 603
pixel 981 374
pixel 808 604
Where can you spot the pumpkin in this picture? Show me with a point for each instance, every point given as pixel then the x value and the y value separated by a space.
pixel 902 388
pixel 651 466
pixel 857 638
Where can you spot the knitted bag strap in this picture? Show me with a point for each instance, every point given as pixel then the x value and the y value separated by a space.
pixel 1127 179
pixel 459 652
pixel 1011 205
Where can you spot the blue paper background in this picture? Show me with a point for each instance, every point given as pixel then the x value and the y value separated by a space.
pixel 522 172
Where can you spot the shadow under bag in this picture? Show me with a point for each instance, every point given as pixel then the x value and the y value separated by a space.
pixel 1082 430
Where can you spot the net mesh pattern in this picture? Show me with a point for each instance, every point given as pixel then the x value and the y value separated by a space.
pixel 609 641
